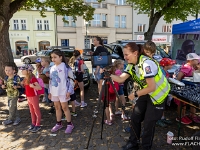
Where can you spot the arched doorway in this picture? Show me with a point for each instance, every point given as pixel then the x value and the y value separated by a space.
pixel 43 45
pixel 22 46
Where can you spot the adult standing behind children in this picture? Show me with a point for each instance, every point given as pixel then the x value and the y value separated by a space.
pixel 12 93
pixel 98 43
pixel 77 66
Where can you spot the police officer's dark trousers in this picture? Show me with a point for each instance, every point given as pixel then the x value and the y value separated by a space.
pixel 145 111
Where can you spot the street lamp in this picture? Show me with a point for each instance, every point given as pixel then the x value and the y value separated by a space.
pixel 86 37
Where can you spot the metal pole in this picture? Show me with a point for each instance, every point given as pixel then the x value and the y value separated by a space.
pixel 86 38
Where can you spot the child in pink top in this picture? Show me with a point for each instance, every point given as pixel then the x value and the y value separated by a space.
pixel 118 67
pixel 187 71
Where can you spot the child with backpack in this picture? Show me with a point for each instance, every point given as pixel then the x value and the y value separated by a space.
pixel 77 64
pixel 45 62
pixel 11 87
pixel 60 90
pixel 32 91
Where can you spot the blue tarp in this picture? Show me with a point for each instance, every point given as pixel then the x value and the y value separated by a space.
pixel 186 27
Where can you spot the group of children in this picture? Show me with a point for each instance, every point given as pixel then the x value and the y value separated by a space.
pixel 59 88
pixel 58 81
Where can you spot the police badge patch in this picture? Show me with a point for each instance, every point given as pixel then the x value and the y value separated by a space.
pixel 148 70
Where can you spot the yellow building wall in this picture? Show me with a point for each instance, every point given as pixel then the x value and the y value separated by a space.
pixel 31 35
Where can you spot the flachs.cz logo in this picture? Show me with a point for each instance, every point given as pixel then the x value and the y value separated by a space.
pixel 99 58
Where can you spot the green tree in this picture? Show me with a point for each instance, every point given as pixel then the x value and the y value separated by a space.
pixel 72 8
pixel 169 9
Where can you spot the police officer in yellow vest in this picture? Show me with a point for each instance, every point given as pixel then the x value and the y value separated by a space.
pixel 149 100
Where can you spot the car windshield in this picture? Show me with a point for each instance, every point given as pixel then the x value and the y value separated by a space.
pixel 41 53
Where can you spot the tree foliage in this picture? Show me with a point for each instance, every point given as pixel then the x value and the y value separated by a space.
pixel 72 8
pixel 168 9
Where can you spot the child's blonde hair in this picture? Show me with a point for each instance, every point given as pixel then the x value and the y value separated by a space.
pixel 28 77
pixel 116 65
pixel 47 59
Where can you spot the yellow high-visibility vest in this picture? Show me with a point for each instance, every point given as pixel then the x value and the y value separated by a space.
pixel 162 85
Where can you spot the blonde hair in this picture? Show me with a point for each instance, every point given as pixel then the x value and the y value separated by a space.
pixel 28 77
pixel 71 61
pixel 47 59
pixel 116 65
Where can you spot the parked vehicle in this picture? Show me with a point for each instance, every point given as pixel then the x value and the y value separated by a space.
pixel 68 51
pixel 32 58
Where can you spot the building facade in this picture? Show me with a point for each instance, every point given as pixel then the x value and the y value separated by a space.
pixel 113 20
pixel 29 31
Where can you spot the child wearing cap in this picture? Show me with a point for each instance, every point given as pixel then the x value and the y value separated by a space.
pixel 39 67
pixel 31 84
pixel 187 70
pixel 165 64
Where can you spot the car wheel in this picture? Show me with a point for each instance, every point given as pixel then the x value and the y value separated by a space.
pixel 27 61
pixel 128 86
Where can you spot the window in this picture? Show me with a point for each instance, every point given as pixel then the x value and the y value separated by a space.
pixel 120 2
pixel 116 21
pixel 39 24
pixel 46 24
pixel 123 21
pixel 64 42
pixel 23 24
pixel 16 24
pixel 141 27
pixel 96 21
pixel 104 20
pixel 166 28
pixel 96 5
pixel 71 22
pixel 104 5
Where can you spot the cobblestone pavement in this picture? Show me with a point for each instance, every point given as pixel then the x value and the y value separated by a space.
pixel 18 137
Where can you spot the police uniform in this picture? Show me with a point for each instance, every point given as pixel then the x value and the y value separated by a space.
pixel 149 107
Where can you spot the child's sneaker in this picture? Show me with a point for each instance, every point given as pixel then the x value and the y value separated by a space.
pixel 7 122
pixel 184 120
pixel 169 122
pixel 35 129
pixel 69 129
pixel 17 121
pixel 108 122
pixel 31 127
pixel 77 104
pixel 56 128
pixel 195 119
pixel 161 123
pixel 83 105
pixel 21 99
pixel 74 114
pixel 123 116
pixel 118 113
